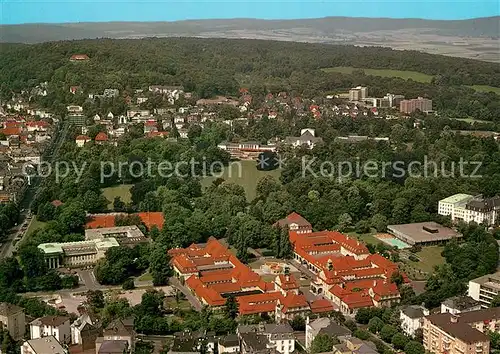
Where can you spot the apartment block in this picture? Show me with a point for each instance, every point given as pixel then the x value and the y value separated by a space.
pixel 12 319
pixel 358 93
pixel 460 333
pixel 420 103
pixel 485 288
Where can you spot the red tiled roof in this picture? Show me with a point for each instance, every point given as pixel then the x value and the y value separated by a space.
pixel 56 203
pixel 321 305
pixel 11 131
pixel 149 219
pixel 101 137
pixel 291 301
pixel 288 282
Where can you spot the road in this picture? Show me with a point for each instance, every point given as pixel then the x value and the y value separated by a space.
pixel 7 249
pixel 189 296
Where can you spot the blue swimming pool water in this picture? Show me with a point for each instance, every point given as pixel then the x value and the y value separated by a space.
pixel 395 242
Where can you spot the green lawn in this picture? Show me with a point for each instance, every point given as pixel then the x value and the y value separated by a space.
pixel 429 257
pixel 35 224
pixel 247 176
pixel 403 74
pixel 122 191
pixel 145 277
pixel 485 88
pixel 182 304
pixel 366 238
pixel 472 120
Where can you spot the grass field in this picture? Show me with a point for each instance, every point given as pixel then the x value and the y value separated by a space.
pixel 145 277
pixel 485 88
pixel 429 257
pixel 472 120
pixel 247 176
pixel 403 74
pixel 122 191
pixel 366 238
pixel 35 224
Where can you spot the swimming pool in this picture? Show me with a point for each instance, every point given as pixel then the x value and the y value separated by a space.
pixel 395 242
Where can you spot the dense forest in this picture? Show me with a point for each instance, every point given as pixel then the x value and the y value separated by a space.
pixel 220 66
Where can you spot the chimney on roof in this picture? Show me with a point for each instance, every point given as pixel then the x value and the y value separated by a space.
pixel 330 265
pixel 374 283
pixel 454 318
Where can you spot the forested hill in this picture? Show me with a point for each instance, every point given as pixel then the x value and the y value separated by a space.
pixel 471 38
pixel 221 66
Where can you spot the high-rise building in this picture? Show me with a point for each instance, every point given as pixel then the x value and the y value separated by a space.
pixel 409 106
pixel 358 93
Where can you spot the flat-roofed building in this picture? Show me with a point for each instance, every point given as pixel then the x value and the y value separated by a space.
pixel 423 233
pixel 420 103
pixel 76 254
pixel 485 288
pixel 125 235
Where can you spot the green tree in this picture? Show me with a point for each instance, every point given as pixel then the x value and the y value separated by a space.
pixel 379 222
pixel 159 266
pixel 375 325
pixel 128 284
pixel 361 334
pixel 344 221
pixel 387 332
pixel 298 323
pixel 232 307
pixel 95 298
pixel 495 302
pixel 399 341
pixel 413 347
pixel 322 343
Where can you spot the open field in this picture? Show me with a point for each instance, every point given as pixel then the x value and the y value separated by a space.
pixel 145 277
pixel 471 120
pixel 406 75
pixel 429 257
pixel 366 238
pixel 35 224
pixel 246 176
pixel 122 191
pixel 485 88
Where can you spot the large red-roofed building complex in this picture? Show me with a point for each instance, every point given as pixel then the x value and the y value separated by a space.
pixel 346 272
pixel 213 274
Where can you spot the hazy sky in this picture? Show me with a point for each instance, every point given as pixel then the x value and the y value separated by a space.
pixel 23 11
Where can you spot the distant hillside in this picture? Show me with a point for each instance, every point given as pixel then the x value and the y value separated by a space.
pixel 474 38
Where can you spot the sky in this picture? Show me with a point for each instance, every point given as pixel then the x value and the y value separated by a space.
pixel 40 11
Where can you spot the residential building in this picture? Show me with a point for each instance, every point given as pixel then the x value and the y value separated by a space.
pixel 412 318
pixel 286 283
pixel 76 254
pixel 410 106
pixel 85 330
pixel 459 304
pixel 12 319
pixel 307 139
pixel 325 325
pixel 461 333
pixel 468 208
pixel 81 140
pixel 423 233
pixel 119 331
pixel 267 338
pixel 353 345
pixel 113 347
pixel 79 57
pixel 56 326
pixel 45 345
pixel 188 342
pixel 358 93
pixel 485 288
pixel 295 222
pixel 228 344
